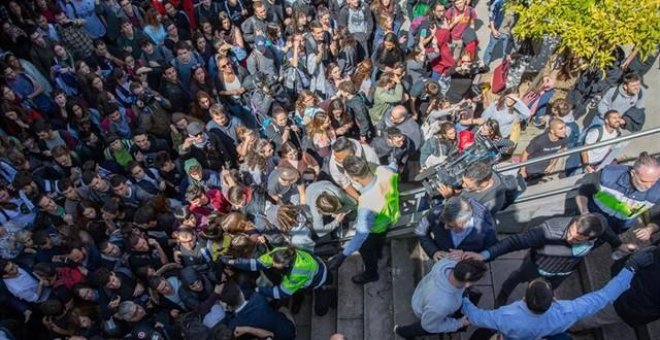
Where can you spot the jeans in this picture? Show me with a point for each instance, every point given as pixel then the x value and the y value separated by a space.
pixel 503 40
pixel 371 251
pixel 324 296
pixel 543 104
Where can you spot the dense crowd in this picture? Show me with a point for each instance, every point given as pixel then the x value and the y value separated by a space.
pixel 180 168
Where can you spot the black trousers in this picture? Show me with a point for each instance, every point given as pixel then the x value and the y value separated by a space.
pixel 411 331
pixel 527 271
pixel 324 297
pixel 371 251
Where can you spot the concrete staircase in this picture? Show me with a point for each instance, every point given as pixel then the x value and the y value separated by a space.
pixel 370 311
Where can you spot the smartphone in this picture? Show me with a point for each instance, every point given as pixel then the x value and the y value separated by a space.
pixel 425 32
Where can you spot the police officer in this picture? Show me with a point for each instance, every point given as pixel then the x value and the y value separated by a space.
pixel 622 193
pixel 378 209
pixel 299 269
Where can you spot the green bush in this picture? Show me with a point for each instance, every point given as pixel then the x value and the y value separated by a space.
pixel 592 29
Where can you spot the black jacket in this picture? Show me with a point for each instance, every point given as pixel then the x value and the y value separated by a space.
pixel 548 247
pixel 199 302
pixel 640 304
pixel 214 154
pixel 176 94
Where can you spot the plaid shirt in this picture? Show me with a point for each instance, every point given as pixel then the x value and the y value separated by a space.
pixel 76 39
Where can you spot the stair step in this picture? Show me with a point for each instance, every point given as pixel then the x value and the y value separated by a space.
pixel 378 321
pixel 594 274
pixel 350 307
pixel 325 326
pixel 304 319
pixel 500 270
pixel 403 279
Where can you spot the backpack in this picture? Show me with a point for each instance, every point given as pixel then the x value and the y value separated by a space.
pixel 498 82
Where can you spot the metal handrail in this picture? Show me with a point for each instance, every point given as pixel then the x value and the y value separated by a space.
pixel 401 230
pixel 568 152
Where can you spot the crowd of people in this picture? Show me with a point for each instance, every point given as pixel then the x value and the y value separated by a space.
pixel 185 168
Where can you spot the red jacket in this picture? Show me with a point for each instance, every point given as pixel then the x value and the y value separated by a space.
pixel 445 61
pixel 217 202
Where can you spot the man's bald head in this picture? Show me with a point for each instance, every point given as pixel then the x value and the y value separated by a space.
pixel 555 123
pixel 399 114
pixel 557 128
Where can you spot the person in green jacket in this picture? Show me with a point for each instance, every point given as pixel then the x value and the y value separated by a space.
pixel 300 270
pixel 388 93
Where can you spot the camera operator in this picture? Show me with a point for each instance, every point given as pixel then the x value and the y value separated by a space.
pixel 462 77
pixel 152 111
pixel 481 183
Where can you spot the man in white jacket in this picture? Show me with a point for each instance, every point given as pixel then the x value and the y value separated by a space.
pixel 439 295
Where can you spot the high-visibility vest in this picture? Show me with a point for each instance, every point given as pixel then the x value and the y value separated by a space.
pixel 382 198
pixel 305 267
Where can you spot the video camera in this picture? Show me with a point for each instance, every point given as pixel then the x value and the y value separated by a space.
pixel 450 173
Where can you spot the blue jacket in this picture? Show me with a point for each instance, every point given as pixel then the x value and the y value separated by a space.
pixel 515 321
pixel 482 236
pixel 257 313
pixel 612 194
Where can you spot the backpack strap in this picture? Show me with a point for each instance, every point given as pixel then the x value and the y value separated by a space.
pixel 598 128
pixel 615 95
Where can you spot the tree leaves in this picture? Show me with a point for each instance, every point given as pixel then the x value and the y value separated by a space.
pixel 591 29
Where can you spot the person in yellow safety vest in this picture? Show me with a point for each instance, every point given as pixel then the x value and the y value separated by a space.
pixel 378 209
pixel 300 269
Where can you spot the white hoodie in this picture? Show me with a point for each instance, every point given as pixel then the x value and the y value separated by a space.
pixel 435 299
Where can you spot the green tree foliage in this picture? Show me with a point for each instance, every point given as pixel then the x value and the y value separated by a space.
pixel 592 29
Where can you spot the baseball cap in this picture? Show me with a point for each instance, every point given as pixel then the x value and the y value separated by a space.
pixel 191 163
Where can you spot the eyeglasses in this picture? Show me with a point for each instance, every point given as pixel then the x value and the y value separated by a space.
pixel 224 65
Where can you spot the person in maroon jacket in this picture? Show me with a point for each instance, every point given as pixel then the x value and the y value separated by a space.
pixel 205 202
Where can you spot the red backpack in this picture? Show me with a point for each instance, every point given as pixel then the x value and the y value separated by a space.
pixel 498 82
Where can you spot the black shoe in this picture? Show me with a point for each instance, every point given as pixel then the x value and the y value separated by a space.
pixel 396 331
pixel 296 304
pixel 363 278
pixel 324 299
